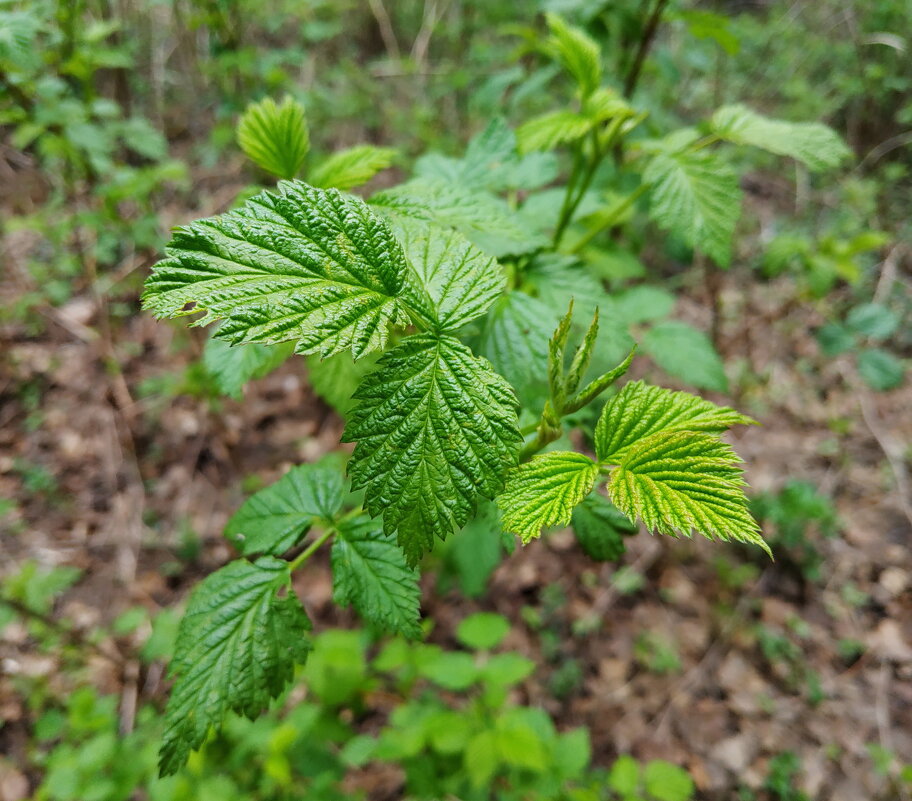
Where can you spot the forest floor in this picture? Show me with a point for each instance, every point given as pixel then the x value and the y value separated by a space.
pixel 132 482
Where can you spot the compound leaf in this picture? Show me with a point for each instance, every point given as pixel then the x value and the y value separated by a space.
pixel 305 264
pixel 457 282
pixel 352 167
pixel 435 427
pixel 369 572
pixel 695 196
pixel 815 144
pixel 640 410
pixel 681 481
pixel 277 517
pixel 543 491
pixel 274 137
pixel 236 649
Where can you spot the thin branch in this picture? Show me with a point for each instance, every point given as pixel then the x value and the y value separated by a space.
pixel 385 24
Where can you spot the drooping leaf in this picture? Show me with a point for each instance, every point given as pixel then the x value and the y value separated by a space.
pixel 457 282
pixel 309 265
pixel 695 196
pixel 369 572
pixel 640 410
pixel 686 353
pixel 576 51
pixel 542 492
pixel 276 518
pixel 815 144
pixel 681 481
pixel 233 366
pixel 485 219
pixel 514 336
pixel 236 649
pixel 435 427
pixel 600 528
pixel 274 136
pixel 352 167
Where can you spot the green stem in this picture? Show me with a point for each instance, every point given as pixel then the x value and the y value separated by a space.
pixel 706 141
pixel 615 215
pixel 566 210
pixel 310 550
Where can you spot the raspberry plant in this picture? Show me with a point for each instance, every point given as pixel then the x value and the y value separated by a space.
pixel 446 284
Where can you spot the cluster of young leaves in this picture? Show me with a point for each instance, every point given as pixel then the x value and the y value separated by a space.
pixel 660 450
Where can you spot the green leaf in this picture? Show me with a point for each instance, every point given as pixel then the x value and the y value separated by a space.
pixel 640 410
pixel 873 320
pixel 491 162
pixel 485 219
pixel 236 649
pixel 813 143
pixel 519 744
pixel 457 282
pixel 695 196
pixel 576 51
pixel 642 304
pixel 481 759
pixel 336 378
pixel 452 670
pixel 542 492
pixel 482 631
pixel 369 572
pixel 311 265
pixel 549 130
pixel 435 427
pixel 681 481
pixel 515 336
pixel 624 777
pixel 352 167
pixel 277 518
pixel 233 366
pixel 475 552
pixel 880 369
pixel 505 670
pixel 834 338
pixel 667 782
pixel 274 137
pixel 686 353
pixel 600 528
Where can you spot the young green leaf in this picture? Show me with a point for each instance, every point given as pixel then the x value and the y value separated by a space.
pixel 232 366
pixel 577 52
pixel 640 410
pixel 600 528
pixel 542 492
pixel 549 130
pixel 697 197
pixel 681 481
pixel 435 427
pixel 351 167
pixel 482 631
pixel 236 649
pixel 813 143
pixel 456 281
pixel 304 264
pixel 277 517
pixel 275 137
pixel 369 572
pixel 686 353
